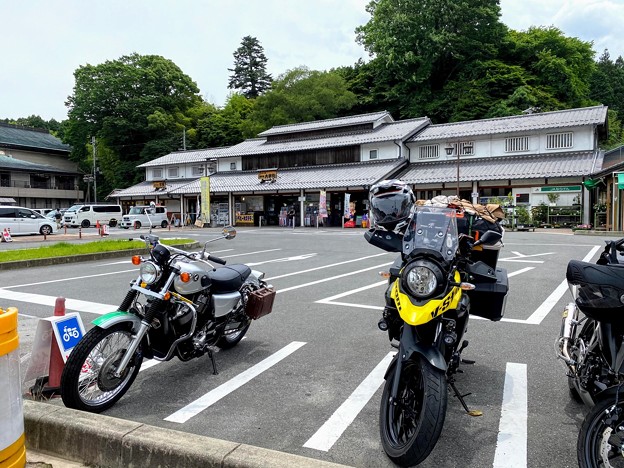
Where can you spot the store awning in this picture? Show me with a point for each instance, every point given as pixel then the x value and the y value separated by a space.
pixel 6 200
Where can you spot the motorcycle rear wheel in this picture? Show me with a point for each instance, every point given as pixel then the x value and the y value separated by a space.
pixel 231 340
pixel 410 429
pixel 602 435
pixel 87 382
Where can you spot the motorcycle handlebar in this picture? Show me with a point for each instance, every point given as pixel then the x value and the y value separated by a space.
pixel 214 259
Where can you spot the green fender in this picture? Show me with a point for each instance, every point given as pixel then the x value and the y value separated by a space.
pixel 113 318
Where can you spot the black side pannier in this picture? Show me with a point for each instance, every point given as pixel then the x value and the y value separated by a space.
pixel 488 299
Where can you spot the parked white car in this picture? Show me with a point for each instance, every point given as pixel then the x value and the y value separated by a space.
pixel 140 216
pixel 24 221
pixel 89 215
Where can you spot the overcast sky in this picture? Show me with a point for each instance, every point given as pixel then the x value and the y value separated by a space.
pixel 45 41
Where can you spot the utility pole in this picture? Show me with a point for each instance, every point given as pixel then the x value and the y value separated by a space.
pixel 184 138
pixel 94 172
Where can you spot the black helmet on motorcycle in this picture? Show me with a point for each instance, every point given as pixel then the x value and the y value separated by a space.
pixel 390 202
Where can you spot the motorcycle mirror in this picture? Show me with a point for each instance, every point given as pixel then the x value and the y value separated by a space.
pixel 489 238
pixel 229 232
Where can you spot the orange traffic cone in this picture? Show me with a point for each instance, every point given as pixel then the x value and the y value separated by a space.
pixel 97 224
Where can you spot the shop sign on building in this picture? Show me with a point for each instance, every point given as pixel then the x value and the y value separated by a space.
pixel 159 184
pixel 268 175
pixel 571 188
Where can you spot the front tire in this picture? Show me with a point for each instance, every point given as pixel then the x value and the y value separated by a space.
pixel 87 382
pixel 45 230
pixel 164 224
pixel 85 224
pixel 602 435
pixel 410 429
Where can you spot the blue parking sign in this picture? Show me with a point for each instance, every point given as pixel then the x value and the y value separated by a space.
pixel 68 331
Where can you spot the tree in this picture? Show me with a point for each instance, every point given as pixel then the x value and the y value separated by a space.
pixel 249 73
pixel 300 95
pixel 135 107
pixel 424 44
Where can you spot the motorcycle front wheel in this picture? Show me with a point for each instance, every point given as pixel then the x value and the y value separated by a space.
pixel 410 428
pixel 88 382
pixel 601 437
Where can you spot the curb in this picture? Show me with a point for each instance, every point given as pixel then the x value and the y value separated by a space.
pixel 104 441
pixel 83 257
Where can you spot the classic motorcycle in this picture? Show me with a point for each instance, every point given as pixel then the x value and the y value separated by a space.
pixel 433 288
pixel 180 305
pixel 591 347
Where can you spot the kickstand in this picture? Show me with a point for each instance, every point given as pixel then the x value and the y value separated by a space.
pixel 214 362
pixel 460 397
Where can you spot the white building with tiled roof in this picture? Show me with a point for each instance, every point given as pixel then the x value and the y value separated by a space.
pixel 529 156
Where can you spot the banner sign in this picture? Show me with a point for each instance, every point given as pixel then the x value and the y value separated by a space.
pixel 347 206
pixel 571 188
pixel 204 185
pixel 323 204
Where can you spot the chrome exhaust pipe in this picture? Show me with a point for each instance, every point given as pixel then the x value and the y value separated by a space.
pixel 568 332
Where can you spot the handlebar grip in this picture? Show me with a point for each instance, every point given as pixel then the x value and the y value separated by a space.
pixel 216 259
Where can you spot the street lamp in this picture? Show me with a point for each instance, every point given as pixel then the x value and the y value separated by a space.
pixel 450 149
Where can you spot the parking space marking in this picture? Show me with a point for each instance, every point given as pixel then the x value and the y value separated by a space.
pixel 250 253
pixel 70 304
pixel 511 446
pixel 333 428
pixel 210 398
pixel 69 279
pixel 359 259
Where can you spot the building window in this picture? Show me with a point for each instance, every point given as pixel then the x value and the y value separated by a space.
pixel 157 173
pixel 372 154
pixel 516 144
pixel 559 140
pixel 429 152
pixel 232 166
pixel 172 172
pixel 198 171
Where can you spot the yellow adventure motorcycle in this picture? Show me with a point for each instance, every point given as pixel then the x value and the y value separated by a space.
pixel 433 288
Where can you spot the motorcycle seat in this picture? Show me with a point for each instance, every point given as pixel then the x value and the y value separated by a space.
pixel 229 278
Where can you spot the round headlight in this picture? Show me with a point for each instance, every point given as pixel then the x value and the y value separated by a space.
pixel 149 272
pixel 421 281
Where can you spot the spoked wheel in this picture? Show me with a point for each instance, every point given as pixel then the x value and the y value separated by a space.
pixel 600 442
pixel 232 339
pixel 88 382
pixel 411 428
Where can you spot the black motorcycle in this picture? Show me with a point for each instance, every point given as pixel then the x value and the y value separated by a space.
pixel 591 346
pixel 180 305
pixel 433 288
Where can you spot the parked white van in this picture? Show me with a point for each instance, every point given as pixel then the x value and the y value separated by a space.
pixel 23 221
pixel 139 216
pixel 89 215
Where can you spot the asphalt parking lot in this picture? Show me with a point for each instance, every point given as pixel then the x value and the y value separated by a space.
pixel 320 395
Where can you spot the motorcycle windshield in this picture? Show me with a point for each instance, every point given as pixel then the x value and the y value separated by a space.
pixel 432 228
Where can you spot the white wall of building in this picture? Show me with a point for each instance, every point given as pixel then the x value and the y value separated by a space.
pixel 385 150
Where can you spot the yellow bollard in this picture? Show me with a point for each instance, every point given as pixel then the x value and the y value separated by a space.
pixel 12 441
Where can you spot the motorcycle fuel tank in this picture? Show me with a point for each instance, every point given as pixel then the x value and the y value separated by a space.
pixel 197 270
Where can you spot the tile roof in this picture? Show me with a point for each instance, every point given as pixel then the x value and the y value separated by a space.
pixel 184 157
pixel 508 167
pixel 292 179
pixel 596 115
pixel 14 136
pixel 386 132
pixel 9 163
pixel 327 123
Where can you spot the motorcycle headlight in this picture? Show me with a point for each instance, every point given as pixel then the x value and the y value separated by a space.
pixel 149 272
pixel 421 280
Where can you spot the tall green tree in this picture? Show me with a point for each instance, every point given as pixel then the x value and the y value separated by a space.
pixel 135 107
pixel 300 95
pixel 249 74
pixel 425 44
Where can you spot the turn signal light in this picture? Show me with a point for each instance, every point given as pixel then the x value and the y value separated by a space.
pixel 167 296
pixel 467 286
pixel 136 260
pixel 185 277
pixel 384 274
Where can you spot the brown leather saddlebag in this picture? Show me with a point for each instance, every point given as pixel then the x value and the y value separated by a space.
pixel 260 303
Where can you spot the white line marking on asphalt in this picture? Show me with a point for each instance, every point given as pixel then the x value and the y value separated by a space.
pixel 228 387
pixel 69 279
pixel 519 272
pixel 329 300
pixel 511 446
pixel 332 278
pixel 70 304
pixel 146 364
pixel 551 301
pixel 333 428
pixel 284 259
pixel 359 259
pixel 250 253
